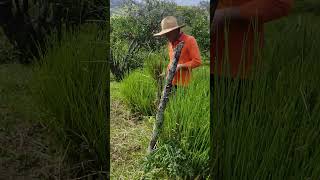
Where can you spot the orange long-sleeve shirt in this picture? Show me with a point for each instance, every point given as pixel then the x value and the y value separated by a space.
pixel 190 57
pixel 240 35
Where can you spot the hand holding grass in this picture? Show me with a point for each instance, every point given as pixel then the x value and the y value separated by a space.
pixel 180 66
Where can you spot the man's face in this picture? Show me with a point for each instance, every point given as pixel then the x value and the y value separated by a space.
pixel 173 35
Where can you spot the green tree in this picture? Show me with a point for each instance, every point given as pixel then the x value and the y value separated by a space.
pixel 133 26
pixel 197 19
pixel 132 29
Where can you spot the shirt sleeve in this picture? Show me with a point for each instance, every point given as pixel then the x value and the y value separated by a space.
pixel 266 10
pixel 194 54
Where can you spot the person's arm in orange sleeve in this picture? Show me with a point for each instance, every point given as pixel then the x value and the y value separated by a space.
pixel 264 10
pixel 194 55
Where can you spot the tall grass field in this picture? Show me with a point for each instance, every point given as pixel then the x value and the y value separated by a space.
pixel 275 131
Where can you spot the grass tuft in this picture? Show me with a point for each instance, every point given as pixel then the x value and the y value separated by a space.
pixel 70 85
pixel 139 92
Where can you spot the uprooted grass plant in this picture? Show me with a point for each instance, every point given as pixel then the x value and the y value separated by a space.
pixel 155 65
pixel 275 132
pixel 70 84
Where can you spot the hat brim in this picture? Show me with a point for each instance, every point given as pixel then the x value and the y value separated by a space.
pixel 168 30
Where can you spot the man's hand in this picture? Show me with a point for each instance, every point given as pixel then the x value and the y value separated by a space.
pixel 180 66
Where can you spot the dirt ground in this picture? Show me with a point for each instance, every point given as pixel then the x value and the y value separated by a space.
pixel 24 150
pixel 129 136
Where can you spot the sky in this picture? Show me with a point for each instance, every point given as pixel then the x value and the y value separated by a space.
pixel 188 2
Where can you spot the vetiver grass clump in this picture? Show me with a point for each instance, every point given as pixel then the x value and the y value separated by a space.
pixel 139 90
pixel 183 150
pixel 154 65
pixel 70 84
pixel 276 132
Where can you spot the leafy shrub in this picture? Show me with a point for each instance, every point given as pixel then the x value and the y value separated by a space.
pixel 71 87
pixel 139 91
pixel 197 21
pixel 132 32
pixel 140 20
pixel 168 158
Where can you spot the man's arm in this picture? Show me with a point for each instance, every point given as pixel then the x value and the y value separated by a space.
pixel 264 10
pixel 194 55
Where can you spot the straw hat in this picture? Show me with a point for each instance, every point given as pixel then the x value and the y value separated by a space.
pixel 168 24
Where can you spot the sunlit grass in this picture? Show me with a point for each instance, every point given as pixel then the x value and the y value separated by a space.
pixel 138 90
pixel 183 150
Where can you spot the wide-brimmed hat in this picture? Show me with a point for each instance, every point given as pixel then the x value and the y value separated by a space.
pixel 168 24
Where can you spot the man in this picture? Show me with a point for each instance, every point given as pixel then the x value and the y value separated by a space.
pixel 190 54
